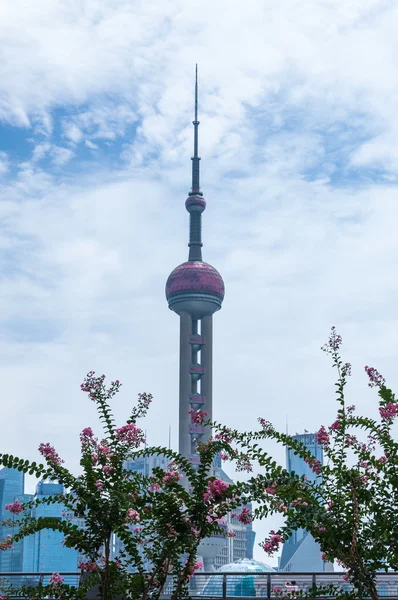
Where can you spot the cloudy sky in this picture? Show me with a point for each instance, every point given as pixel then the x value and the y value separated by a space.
pixel 299 169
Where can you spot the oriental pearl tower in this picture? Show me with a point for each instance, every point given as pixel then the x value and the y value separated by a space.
pixel 195 291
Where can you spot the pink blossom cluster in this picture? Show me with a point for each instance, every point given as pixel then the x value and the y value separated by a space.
pixel 99 485
pixel 230 533
pixel 132 516
pixel 271 489
pixel 87 566
pixel 6 543
pixel 389 411
pixel 314 464
pixel 350 440
pixel 375 378
pixel 56 579
pixel 216 491
pixel 382 459
pixel 192 568
pixel 243 463
pixel 322 436
pixel 144 400
pixel 92 385
pixel 155 486
pixel 49 453
pixel 171 476
pixel 245 516
pixel 86 436
pixel 299 502
pixel 336 425
pixel 198 416
pixel 15 508
pixel 271 544
pixel 334 342
pixel 131 435
pixel 346 369
pixel 351 409
pixel 266 425
pixel 104 450
pixel 224 436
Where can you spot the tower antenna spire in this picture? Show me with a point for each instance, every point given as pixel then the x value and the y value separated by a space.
pixel 195 159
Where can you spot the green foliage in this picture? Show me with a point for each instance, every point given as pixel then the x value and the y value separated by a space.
pixel 159 520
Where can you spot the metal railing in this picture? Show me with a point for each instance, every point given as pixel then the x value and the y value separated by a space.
pixel 217 585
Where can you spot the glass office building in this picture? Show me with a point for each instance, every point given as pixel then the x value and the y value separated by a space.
pixel 300 552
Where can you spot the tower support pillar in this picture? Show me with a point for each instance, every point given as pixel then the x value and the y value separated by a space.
pixel 207 362
pixel 184 442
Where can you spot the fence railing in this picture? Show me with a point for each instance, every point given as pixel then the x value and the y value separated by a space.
pixel 218 585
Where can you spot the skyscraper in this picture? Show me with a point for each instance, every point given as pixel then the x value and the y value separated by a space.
pixel 195 291
pixel 12 484
pixel 43 550
pixel 301 552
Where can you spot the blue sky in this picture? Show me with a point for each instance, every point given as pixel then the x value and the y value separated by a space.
pixel 299 169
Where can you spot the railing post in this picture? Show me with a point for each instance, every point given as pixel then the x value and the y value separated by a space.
pixel 313 584
pixel 224 586
pixel 269 586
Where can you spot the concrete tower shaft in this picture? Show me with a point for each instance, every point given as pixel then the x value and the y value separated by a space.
pixel 195 291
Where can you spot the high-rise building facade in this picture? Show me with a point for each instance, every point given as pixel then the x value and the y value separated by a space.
pixel 12 484
pixel 195 291
pixel 44 550
pixel 301 552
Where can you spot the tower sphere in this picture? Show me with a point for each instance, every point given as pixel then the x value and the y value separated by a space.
pixel 195 203
pixel 195 287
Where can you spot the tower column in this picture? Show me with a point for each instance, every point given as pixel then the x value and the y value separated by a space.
pixel 184 438
pixel 207 362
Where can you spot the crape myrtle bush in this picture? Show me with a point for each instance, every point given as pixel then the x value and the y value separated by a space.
pixel 159 519
pixel 351 509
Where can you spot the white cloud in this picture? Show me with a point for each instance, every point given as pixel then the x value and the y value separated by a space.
pixel 297 111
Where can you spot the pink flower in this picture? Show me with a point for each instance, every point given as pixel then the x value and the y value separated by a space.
pixel 171 476
pixel 230 533
pixel 87 566
pixel 314 464
pixel 271 544
pixel 133 515
pixel 56 579
pixel 336 425
pixel 266 425
pixel 99 485
pixel 334 342
pixel 198 416
pixel 323 556
pixel 15 508
pixel 363 464
pixel 271 489
pixel 322 436
pixel 375 378
pixel 382 459
pixel 224 436
pixel 346 370
pixel 131 435
pixel 245 516
pixel 107 469
pixel 389 411
pixel 50 454
pixel 216 491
